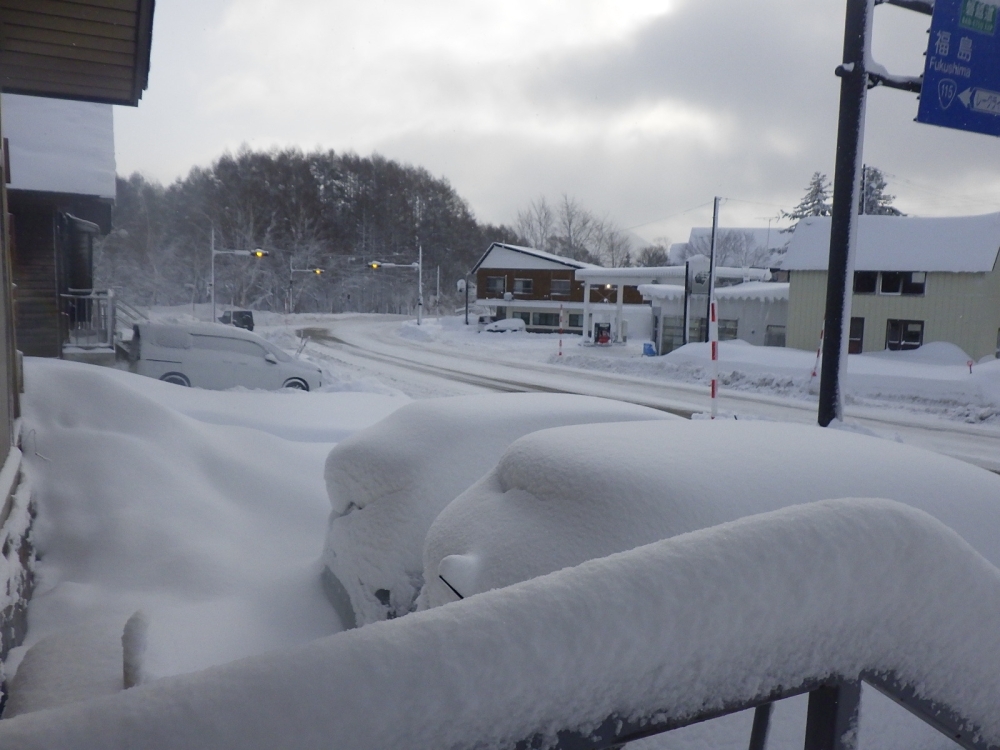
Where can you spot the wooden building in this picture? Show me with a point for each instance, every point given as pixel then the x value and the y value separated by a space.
pixel 87 50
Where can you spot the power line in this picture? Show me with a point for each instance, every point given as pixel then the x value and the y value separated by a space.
pixel 672 216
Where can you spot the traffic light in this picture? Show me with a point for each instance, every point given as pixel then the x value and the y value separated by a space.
pixel 260 253
pixel 317 271
pixel 375 264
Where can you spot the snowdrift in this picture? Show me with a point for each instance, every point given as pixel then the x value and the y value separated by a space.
pixel 388 483
pixel 562 496
pixel 674 629
pixel 206 509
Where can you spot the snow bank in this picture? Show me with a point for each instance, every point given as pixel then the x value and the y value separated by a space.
pixel 388 483
pixel 205 509
pixel 565 495
pixel 681 626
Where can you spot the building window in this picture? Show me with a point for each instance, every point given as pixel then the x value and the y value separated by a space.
pixel 560 288
pixel 865 282
pixel 526 317
pixel 545 319
pixel 913 283
pixel 496 286
pixel 856 336
pixel 774 336
pixel 576 320
pixel 904 334
pixel 891 283
pixel 523 286
pixel 728 329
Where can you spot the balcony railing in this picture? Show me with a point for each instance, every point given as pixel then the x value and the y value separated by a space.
pixel 90 318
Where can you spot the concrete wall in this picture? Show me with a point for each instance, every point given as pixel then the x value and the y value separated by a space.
pixel 961 308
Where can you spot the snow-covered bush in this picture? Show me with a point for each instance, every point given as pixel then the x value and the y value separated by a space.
pixel 562 496
pixel 388 483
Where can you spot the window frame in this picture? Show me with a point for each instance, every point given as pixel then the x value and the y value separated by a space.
pixel 552 287
pixel 490 290
pixel 904 326
pixel 522 283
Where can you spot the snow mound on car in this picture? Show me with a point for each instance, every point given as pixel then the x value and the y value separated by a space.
pixel 388 483
pixel 562 496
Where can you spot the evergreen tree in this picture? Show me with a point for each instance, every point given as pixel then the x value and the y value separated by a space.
pixel 816 201
pixel 874 199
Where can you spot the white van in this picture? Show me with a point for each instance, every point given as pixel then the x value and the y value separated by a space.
pixel 216 356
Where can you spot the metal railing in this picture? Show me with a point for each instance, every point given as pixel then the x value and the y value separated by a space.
pixel 90 318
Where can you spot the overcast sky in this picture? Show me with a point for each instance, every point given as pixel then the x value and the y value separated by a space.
pixel 640 109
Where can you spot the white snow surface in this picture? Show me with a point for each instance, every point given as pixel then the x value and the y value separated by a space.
pixel 204 509
pixel 561 496
pixel 60 146
pixel 956 244
pixel 388 483
pixel 683 625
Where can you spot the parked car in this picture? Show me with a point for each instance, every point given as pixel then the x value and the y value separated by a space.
pixel 238 318
pixel 216 357
pixel 505 325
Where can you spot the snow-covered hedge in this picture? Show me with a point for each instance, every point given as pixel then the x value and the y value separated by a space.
pixel 683 626
pixel 388 483
pixel 562 496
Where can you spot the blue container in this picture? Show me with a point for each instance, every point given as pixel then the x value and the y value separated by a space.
pixel 648 350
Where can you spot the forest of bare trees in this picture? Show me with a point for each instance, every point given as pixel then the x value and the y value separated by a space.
pixel 308 210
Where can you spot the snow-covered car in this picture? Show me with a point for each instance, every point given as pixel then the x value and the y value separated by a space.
pixel 506 325
pixel 388 482
pixel 562 496
pixel 216 357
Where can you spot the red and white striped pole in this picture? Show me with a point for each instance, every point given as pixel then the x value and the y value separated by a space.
pixel 713 337
pixel 819 353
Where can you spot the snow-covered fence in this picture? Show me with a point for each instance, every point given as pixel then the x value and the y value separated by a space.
pixel 687 627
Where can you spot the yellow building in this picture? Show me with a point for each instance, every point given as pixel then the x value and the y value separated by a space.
pixel 916 280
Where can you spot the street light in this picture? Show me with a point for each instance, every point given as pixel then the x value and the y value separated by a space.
pixel 418 267
pixel 291 272
pixel 258 253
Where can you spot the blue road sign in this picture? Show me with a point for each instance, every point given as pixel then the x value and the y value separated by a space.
pixel 961 87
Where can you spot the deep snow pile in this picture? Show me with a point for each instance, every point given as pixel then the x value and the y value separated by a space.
pixel 205 509
pixel 684 625
pixel 388 483
pixel 569 494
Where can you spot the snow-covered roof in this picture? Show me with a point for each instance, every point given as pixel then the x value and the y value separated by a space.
pixel 59 146
pixel 503 252
pixel 954 244
pixel 643 275
pixel 758 290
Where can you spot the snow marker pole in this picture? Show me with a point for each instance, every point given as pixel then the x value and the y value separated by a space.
pixel 713 335
pixel 819 353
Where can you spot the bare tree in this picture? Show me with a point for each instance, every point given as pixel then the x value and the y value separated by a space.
pixel 611 245
pixel 733 247
pixel 577 229
pixel 536 224
pixel 654 255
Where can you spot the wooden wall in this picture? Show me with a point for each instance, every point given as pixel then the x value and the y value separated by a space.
pixel 542 286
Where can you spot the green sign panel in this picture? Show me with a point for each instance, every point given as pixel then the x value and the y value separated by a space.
pixel 977 15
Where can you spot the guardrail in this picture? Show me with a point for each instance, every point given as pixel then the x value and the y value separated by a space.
pixel 90 318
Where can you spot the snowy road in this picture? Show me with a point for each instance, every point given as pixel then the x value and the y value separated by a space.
pixel 371 345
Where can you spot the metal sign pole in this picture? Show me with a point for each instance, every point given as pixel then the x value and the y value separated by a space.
pixel 843 224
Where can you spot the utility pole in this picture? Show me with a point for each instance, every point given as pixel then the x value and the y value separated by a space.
pixel 844 224
pixel 420 284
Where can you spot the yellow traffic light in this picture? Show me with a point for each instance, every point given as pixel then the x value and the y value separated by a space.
pixel 375 264
pixel 260 253
pixel 317 271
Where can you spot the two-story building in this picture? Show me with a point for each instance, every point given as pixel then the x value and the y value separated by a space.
pixel 916 280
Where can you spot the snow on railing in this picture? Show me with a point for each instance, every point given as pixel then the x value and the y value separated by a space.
pixel 807 598
pixel 90 318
